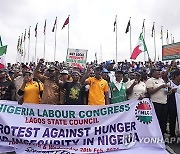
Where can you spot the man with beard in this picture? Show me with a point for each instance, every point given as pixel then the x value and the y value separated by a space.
pixel 51 88
pixel 98 90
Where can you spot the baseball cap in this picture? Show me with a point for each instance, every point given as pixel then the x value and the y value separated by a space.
pixel 109 62
pixel 104 70
pixel 99 67
pixel 76 72
pixel 51 68
pixel 64 72
pixel 29 71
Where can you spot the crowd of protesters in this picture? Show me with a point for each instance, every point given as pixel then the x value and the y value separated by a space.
pixel 98 84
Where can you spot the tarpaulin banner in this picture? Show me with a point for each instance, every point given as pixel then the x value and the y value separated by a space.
pixel 32 128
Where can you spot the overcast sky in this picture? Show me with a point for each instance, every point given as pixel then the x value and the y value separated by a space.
pixel 91 25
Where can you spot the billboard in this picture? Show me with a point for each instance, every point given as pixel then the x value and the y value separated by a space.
pixel 76 57
pixel 171 51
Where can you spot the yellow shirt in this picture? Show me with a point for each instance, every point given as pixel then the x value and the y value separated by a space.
pixel 32 92
pixel 96 91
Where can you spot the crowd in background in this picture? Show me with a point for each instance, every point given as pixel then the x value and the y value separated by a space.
pixel 96 84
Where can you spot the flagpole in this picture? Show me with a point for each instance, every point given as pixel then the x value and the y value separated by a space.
pixel 24 53
pixel 36 41
pixel 44 40
pixel 154 45
pixel 44 45
pixel 143 30
pixel 116 38
pixel 21 48
pixel 96 57
pixel 35 49
pixel 68 32
pixel 130 41
pixel 162 37
pixel 17 55
pixel 29 43
pixel 167 38
pixel 55 42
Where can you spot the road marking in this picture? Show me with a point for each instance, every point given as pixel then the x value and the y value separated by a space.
pixel 171 151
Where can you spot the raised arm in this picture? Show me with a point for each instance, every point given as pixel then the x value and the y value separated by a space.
pixel 36 71
pixel 83 82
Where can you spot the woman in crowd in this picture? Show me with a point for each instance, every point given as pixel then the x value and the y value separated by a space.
pixel 136 88
pixel 31 90
pixel 117 88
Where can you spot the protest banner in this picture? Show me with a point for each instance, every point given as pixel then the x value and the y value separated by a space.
pixel 76 57
pixel 171 51
pixel 115 128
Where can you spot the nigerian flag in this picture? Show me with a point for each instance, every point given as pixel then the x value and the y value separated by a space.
pixel 2 55
pixel 140 47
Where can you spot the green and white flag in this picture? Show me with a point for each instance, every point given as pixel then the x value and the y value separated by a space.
pixel 2 55
pixel 140 47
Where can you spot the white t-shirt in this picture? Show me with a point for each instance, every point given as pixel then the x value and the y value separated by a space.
pixel 160 96
pixel 174 86
pixel 112 76
pixel 138 89
pixel 178 89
